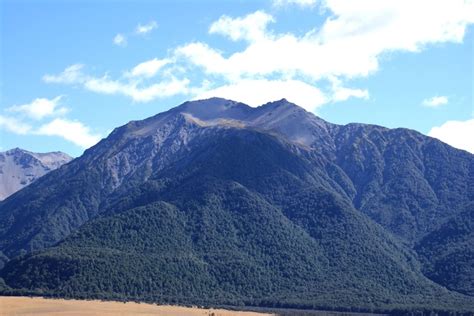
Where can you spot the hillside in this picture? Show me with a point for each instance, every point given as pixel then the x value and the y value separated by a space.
pixel 214 202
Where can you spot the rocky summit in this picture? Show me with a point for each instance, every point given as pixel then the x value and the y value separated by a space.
pixel 19 167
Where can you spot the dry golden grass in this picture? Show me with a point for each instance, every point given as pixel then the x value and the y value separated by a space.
pixel 40 306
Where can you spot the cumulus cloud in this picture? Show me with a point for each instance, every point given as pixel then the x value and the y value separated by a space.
pixel 456 133
pixel 146 28
pixel 13 125
pixel 301 3
pixel 124 86
pixel 347 45
pixel 251 28
pixel 148 93
pixel 258 92
pixel 341 93
pixel 73 131
pixel 120 40
pixel 40 108
pixel 435 101
pixel 148 68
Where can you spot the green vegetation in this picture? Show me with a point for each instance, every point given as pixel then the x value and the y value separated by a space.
pixel 368 220
pixel 206 239
pixel 448 252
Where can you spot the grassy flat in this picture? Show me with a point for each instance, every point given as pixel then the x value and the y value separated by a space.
pixel 38 306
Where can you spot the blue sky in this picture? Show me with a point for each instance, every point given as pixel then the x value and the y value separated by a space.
pixel 71 71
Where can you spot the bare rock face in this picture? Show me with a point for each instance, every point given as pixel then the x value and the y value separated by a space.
pixel 19 167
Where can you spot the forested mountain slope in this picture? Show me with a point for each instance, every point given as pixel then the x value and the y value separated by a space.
pixel 249 205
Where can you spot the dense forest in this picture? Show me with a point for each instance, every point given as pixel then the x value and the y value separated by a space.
pixel 173 210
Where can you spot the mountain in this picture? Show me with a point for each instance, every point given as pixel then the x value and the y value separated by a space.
pixel 19 167
pixel 215 202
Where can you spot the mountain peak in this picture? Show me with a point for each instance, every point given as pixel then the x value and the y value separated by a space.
pixel 281 117
pixel 212 103
pixel 21 151
pixel 20 167
pixel 16 150
pixel 219 108
pixel 215 108
pixel 283 103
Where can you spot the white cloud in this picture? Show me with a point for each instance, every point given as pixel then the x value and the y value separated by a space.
pixel 146 28
pixel 251 27
pixel 258 92
pixel 73 131
pixel 71 75
pixel 120 40
pixel 435 101
pixel 200 54
pixel 148 68
pixel 301 3
pixel 348 44
pixel 396 24
pixel 341 93
pixel 456 133
pixel 162 89
pixel 14 126
pixel 40 108
pixel 130 88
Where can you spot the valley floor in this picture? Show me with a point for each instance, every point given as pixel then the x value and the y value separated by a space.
pixel 38 306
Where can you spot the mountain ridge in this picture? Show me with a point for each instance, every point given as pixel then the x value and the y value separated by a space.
pixel 201 161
